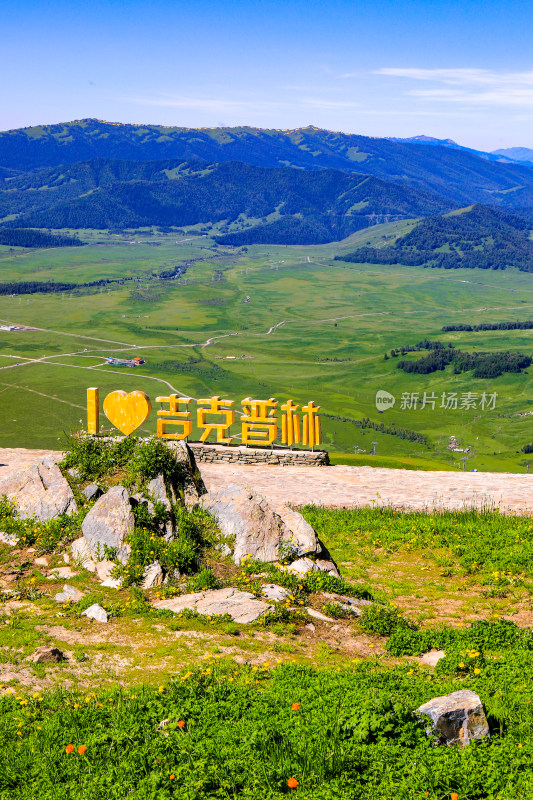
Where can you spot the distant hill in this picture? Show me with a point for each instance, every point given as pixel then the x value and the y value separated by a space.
pixel 283 205
pixel 432 142
pixel 474 237
pixel 457 174
pixel 516 153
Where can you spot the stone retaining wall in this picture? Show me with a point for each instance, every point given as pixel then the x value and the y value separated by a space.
pixel 209 453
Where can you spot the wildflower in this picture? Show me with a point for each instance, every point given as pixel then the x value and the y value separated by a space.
pixel 171 777
pixel 295 706
pixel 181 723
pixel 19 733
pixel 69 748
pixel 292 783
pixel 454 796
pixel 477 671
pixel 462 665
pixel 81 749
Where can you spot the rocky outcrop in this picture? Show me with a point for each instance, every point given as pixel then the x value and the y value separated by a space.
pixel 92 492
pixel 259 530
pixel 457 718
pixel 39 491
pixel 108 523
pixel 241 606
pixel 192 485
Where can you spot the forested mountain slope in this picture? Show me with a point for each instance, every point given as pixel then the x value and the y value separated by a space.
pixel 307 206
pixel 475 237
pixel 454 173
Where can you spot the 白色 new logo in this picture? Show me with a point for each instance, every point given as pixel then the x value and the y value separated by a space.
pixel 384 400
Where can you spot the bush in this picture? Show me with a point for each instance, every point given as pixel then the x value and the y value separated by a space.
pixel 383 620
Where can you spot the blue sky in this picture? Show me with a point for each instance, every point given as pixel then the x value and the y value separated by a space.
pixel 460 70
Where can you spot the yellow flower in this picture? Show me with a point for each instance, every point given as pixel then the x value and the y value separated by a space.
pixel 461 665
pixel 477 671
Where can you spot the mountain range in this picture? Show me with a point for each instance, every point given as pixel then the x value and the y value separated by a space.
pixel 258 185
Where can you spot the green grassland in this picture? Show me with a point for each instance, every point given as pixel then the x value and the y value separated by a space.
pixel 338 319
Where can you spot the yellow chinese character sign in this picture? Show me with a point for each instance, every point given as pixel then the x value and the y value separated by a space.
pixel 215 416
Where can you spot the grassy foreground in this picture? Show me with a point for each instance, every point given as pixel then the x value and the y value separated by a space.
pixel 221 732
pixel 159 705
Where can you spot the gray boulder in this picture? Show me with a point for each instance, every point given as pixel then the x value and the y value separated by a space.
pixel 241 606
pixel 259 529
pixel 432 658
pixel 61 572
pixel 92 492
pixel 95 612
pixel 39 491
pixel 108 523
pixel 8 538
pixel 457 718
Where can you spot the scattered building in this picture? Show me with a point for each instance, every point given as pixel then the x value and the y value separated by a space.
pixel 124 362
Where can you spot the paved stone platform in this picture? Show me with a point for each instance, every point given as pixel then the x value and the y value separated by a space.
pixel 341 486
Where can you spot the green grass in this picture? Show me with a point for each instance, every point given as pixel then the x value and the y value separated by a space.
pixel 339 320
pixel 233 732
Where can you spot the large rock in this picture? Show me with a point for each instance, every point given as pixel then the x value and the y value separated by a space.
pixel 259 529
pixel 39 491
pixel 241 606
pixel 457 718
pixel 108 523
pixel 192 486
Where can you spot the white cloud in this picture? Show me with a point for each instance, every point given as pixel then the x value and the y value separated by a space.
pixel 472 87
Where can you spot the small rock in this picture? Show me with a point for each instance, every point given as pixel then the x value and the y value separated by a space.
pixel 458 717
pixel 66 558
pixel 92 492
pixel 82 555
pixel 74 472
pixel 273 592
pixel 69 594
pixel 96 612
pixel 224 549
pixel 112 583
pixel 44 655
pixel 432 658
pixel 327 566
pixel 103 569
pixel 311 627
pixel 302 566
pixel 152 576
pixel 61 572
pixel 318 615
pixel 41 561
pixel 8 538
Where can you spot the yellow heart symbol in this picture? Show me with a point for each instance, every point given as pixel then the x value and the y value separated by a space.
pixel 127 411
